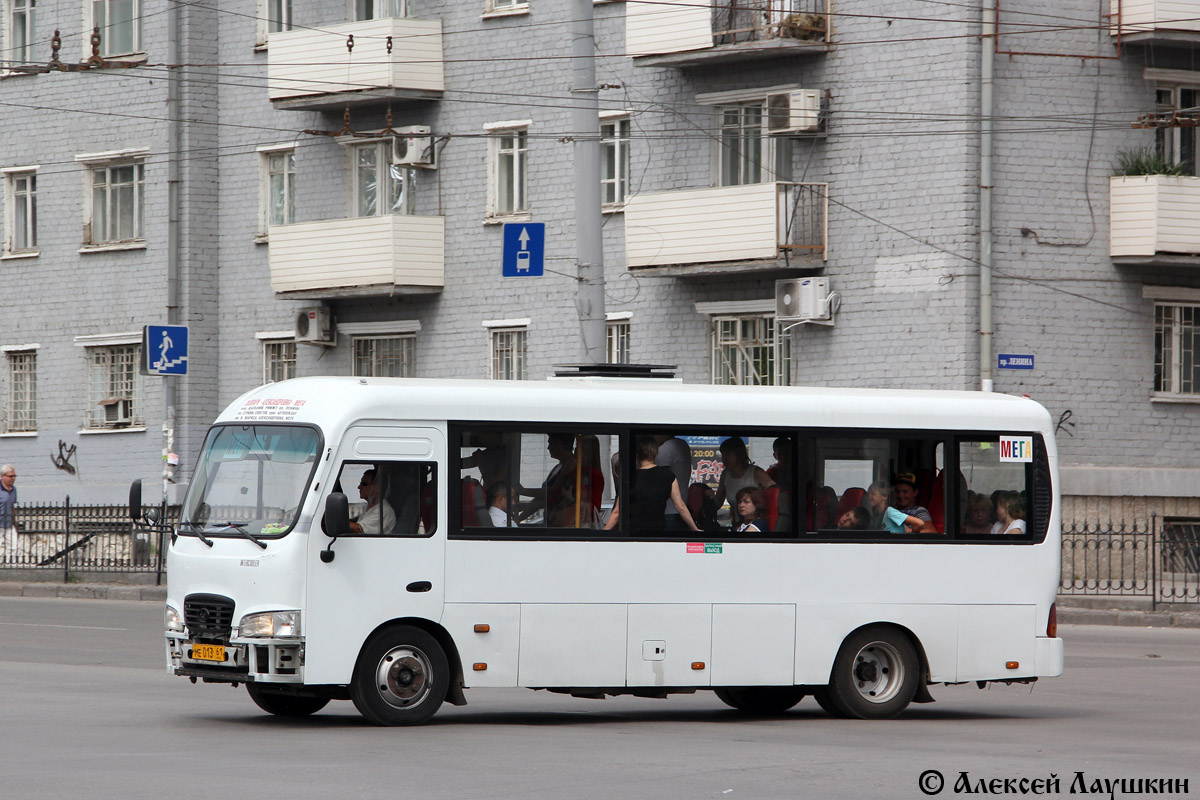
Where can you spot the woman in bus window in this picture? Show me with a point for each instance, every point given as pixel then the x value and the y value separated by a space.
pixel 652 487
pixel 979 514
pixel 1010 513
pixel 751 506
pixel 739 472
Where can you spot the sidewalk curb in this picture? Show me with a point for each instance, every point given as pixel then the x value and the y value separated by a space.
pixel 1128 619
pixel 88 591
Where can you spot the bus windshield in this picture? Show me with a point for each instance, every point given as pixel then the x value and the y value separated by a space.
pixel 250 480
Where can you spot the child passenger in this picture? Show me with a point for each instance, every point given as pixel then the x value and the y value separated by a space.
pixel 751 507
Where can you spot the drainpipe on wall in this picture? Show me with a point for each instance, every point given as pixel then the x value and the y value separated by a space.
pixel 174 131
pixel 987 51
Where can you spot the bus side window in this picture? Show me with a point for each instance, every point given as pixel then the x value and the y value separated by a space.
pixel 996 486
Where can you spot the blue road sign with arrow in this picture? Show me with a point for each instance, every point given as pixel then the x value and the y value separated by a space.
pixel 524 249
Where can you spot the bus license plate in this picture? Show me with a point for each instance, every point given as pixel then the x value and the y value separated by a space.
pixel 208 652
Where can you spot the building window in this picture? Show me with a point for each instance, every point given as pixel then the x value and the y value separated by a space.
pixel 745 351
pixel 1178 143
pixel 380 9
pixel 20 218
pixel 385 356
pixel 508 354
pixel 114 397
pixel 116 204
pixel 21 32
pixel 745 153
pixel 120 24
pixel 273 16
pixel 506 5
pixel 508 150
pixel 279 360
pixel 379 186
pixel 279 187
pixel 1176 349
pixel 614 160
pixel 617 335
pixel 21 416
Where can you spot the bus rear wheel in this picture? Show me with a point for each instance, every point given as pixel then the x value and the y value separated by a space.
pixel 875 674
pixel 401 678
pixel 761 699
pixel 282 704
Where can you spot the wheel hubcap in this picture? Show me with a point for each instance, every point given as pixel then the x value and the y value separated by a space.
pixel 403 677
pixel 878 672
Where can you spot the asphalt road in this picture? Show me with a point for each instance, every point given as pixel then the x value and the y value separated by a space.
pixel 87 710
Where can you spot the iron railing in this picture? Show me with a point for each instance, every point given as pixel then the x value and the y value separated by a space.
pixel 737 21
pixel 1159 561
pixel 803 212
pixel 80 539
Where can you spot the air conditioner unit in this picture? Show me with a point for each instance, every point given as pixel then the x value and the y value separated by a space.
pixel 794 112
pixel 117 411
pixel 412 146
pixel 313 326
pixel 802 300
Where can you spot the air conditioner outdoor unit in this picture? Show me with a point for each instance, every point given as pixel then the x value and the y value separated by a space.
pixel 117 411
pixel 794 112
pixel 802 300
pixel 413 146
pixel 313 326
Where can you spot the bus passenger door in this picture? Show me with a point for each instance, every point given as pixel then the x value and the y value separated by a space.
pixel 392 564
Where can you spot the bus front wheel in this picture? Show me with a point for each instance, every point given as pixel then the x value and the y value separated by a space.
pixel 281 704
pixel 875 674
pixel 401 677
pixel 761 699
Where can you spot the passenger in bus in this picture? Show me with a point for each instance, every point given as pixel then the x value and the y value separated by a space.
pixel 751 507
pixel 904 489
pixel 590 483
pixel 739 472
pixel 491 460
pixel 702 502
pixel 675 454
pixel 781 470
pixel 498 495
pixel 979 514
pixel 549 496
pixel 1010 514
pixel 855 519
pixel 892 520
pixel 378 516
pixel 652 486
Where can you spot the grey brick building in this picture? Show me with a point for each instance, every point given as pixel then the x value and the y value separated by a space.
pixel 744 143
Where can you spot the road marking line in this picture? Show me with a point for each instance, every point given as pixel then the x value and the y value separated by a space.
pixel 76 627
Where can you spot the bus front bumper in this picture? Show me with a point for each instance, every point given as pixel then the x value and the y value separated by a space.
pixel 260 660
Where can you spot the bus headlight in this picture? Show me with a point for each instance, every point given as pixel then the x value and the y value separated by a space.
pixel 271 625
pixel 172 621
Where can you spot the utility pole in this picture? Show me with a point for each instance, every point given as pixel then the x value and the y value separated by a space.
pixel 585 124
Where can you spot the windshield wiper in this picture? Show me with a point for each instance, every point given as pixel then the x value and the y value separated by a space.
pixel 198 529
pixel 238 526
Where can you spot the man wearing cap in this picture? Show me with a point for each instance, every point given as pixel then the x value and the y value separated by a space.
pixel 904 485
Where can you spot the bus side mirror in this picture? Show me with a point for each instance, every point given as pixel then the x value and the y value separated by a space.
pixel 135 500
pixel 337 515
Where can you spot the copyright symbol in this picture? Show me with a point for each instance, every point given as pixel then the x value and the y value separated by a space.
pixel 931 781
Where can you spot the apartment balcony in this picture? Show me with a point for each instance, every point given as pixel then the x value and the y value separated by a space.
pixel 1166 23
pixel 359 257
pixel 761 227
pixel 686 33
pixel 394 59
pixel 1154 220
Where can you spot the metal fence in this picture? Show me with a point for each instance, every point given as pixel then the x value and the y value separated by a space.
pixel 1159 561
pixel 736 21
pixel 78 539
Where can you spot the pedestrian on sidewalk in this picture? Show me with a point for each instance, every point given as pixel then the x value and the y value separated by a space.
pixel 8 502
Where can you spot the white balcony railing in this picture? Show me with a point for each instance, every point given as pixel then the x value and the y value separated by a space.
pixel 1154 16
pixel 677 26
pixel 755 222
pixel 365 254
pixel 393 57
pixel 1154 215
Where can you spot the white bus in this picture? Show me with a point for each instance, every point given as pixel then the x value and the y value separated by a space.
pixel 397 541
